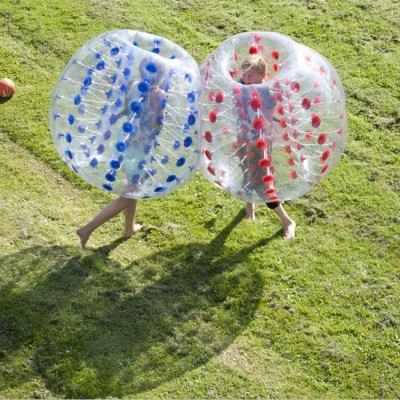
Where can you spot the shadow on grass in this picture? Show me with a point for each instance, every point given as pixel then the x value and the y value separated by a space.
pixel 89 327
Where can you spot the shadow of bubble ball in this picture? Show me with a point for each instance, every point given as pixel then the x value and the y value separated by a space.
pixel 276 139
pixel 124 114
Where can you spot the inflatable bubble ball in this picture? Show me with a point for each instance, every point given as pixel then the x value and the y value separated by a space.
pixel 124 114
pixel 274 117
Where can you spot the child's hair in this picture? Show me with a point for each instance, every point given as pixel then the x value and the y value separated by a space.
pixel 255 62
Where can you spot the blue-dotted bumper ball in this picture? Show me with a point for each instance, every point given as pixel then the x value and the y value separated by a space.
pixel 124 114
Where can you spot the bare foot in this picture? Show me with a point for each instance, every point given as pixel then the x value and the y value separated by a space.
pixel 289 229
pixel 135 229
pixel 84 236
pixel 250 212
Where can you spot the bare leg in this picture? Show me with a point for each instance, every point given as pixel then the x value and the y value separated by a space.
pixel 250 211
pixel 109 211
pixel 130 212
pixel 289 226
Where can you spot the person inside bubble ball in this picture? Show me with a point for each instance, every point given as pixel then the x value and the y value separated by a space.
pixel 254 71
pixel 143 100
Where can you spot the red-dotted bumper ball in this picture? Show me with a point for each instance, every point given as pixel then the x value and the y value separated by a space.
pixel 274 140
pixel 125 114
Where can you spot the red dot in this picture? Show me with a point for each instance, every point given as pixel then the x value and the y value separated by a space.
pixel 280 110
pixel 293 174
pixel 211 170
pixel 208 136
pixel 295 87
pixel 306 104
pixel 282 122
pixel 325 155
pixel 275 54
pixel 233 73
pixel 269 191
pixel 237 91
pixel 290 161
pixel 256 103
pixel 219 97
pixel 321 139
pixel 275 67
pixel 308 136
pixel 212 116
pixel 274 199
pixel 208 154
pixel 315 121
pixel 253 50
pixel 264 163
pixel 278 96
pixel 258 123
pixel 285 136
pixel 261 144
pixel 287 149
pixel 267 179
pixel 324 169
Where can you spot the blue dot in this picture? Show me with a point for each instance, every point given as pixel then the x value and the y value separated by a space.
pixel 136 107
pixel 160 119
pixel 135 43
pixel 121 147
pixel 191 120
pixel 143 87
pixel 92 139
pixel 113 119
pixel 99 124
pixel 188 141
pixel 171 178
pixel 188 78
pixel 68 137
pixel 100 149
pixel 107 134
pixel 81 109
pixel 115 164
pixel 87 81
pixel 104 109
pixel 127 73
pixel 94 162
pixel 163 103
pixel 155 50
pixel 114 78
pixel 142 164
pixel 107 187
pixel 71 119
pixel 123 88
pixel 181 161
pixel 160 189
pixel 100 65
pixel 81 128
pixel 128 127
pixel 110 176
pixel 118 103
pixel 186 128
pixel 69 154
pixel 98 55
pixel 157 41
pixel 153 172
pixel 77 99
pixel 173 56
pixel 151 67
pixel 165 160
pixel 135 178
pixel 108 93
pixel 147 148
pixel 191 97
pixel 114 51
pixel 176 145
pixel 118 62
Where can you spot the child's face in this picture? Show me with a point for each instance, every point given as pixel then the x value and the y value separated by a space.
pixel 251 77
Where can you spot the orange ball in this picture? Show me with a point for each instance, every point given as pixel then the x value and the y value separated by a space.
pixel 7 87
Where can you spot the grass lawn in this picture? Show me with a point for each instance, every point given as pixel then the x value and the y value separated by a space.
pixel 201 303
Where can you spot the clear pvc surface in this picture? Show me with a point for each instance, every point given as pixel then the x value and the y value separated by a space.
pixel 124 114
pixel 273 140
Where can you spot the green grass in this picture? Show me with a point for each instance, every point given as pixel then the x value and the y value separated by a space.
pixel 201 303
